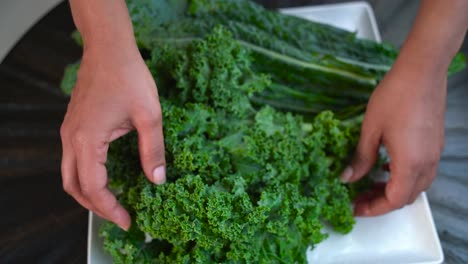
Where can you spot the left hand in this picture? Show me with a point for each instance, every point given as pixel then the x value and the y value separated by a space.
pixel 406 115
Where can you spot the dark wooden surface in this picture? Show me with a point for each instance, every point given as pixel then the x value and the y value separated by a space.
pixel 41 224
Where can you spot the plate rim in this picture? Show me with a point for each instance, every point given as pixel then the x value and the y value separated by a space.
pixel 354 4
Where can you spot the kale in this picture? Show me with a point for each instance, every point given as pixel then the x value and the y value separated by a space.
pixel 69 77
pixel 261 110
pixel 244 184
pixel 313 66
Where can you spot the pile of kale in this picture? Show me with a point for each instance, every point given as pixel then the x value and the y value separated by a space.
pixel 260 111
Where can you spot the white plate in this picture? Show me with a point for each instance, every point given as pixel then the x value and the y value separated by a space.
pixel 405 236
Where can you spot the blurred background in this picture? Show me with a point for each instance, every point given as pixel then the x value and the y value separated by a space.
pixel 40 223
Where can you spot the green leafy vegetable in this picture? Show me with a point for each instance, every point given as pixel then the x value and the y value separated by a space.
pixel 69 78
pixel 248 179
pixel 313 66
pixel 244 185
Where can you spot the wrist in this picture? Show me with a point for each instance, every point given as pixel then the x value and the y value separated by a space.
pixel 435 37
pixel 114 58
pixel 112 47
pixel 426 65
pixel 105 26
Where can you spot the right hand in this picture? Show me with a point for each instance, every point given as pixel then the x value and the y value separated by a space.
pixel 115 93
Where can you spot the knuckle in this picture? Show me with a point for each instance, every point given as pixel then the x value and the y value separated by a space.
pixel 425 160
pixel 68 188
pixel 416 162
pixel 152 121
pixel 113 205
pixel 362 161
pixel 92 192
pixel 78 138
pixel 63 130
pixel 148 119
pixel 154 151
pixel 362 158
pixel 88 191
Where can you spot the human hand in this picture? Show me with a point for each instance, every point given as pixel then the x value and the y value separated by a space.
pixel 114 94
pixel 406 111
pixel 406 115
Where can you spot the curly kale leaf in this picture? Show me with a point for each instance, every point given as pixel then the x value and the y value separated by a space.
pixel 255 185
pixel 215 71
pixel 238 217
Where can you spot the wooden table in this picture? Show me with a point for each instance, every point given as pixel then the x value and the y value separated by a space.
pixel 42 224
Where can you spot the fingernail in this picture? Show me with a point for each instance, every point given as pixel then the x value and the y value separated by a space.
pixel 122 219
pixel 159 175
pixel 346 174
pixel 124 227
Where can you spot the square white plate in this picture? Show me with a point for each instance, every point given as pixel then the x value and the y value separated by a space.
pixel 405 236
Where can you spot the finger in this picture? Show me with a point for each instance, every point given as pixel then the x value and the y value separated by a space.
pixel 70 181
pixel 71 184
pixel 396 194
pixel 151 147
pixel 91 157
pixel 365 156
pixel 377 189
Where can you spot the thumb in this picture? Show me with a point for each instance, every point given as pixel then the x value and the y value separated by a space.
pixel 364 158
pixel 151 148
